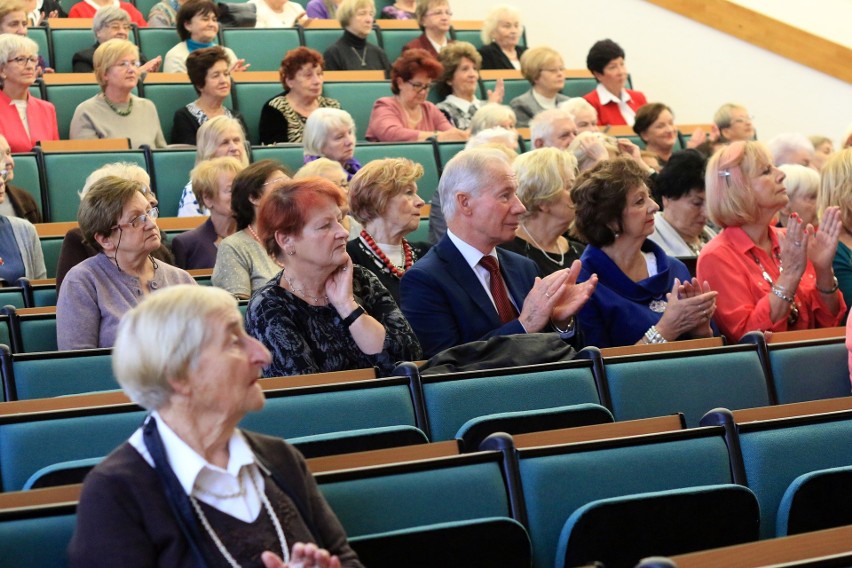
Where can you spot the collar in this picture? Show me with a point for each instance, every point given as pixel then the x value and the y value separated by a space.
pixel 354 40
pixel 462 104
pixel 192 45
pixel 185 462
pixel 607 97
pixel 438 46
pixel 471 254
pixel 543 101
pixel 742 243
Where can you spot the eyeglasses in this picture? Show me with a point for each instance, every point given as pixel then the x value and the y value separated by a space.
pixel 128 64
pixel 741 119
pixel 420 87
pixel 440 13
pixel 24 60
pixel 139 221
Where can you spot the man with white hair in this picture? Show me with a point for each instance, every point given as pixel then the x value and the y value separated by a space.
pixel 791 148
pixel 553 128
pixel 465 289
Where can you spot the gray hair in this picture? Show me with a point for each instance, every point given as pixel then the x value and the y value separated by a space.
pixel 108 15
pixel 11 44
pixel 492 19
pixel 496 135
pixel 783 146
pixel 207 139
pixel 722 118
pixel 318 126
pixel 800 180
pixel 124 170
pixel 491 115
pixel 575 105
pixel 468 172
pixel 161 338
pixel 541 125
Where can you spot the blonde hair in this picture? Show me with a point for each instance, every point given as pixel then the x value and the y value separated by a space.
pixel 11 7
pixel 535 59
pixel 836 185
pixel 730 199
pixel 205 176
pixel 377 183
pixel 492 20
pixel 324 168
pixel 421 7
pixel 207 139
pixel 108 54
pixel 347 9
pixel 542 175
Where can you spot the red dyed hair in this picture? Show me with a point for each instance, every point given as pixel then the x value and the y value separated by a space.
pixel 412 62
pixel 297 58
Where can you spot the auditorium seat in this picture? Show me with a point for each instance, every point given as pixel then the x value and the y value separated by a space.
pixel 28 176
pixel 262 48
pixel 169 175
pixel 33 329
pixel 357 99
pixel 816 500
pixel 290 155
pixel 419 152
pixel 66 42
pixel 156 41
pixel 41 375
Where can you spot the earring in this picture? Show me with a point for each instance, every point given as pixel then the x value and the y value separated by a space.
pixel 291 252
pixel 616 234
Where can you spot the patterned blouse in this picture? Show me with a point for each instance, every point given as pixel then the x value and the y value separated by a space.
pixel 279 122
pixel 311 339
pixel 458 111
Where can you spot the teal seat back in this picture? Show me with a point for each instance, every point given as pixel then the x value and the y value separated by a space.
pixel 579 87
pixel 454 398
pixel 395 498
pixel 169 98
pixel 44 295
pixel 39 35
pixel 51 246
pixel 357 99
pixel 394 40
pixel 5 338
pixel 67 42
pixel 446 151
pixel 321 39
pixel 38 332
pixel 157 41
pixel 689 382
pixel 40 541
pixel 777 452
pixel 262 48
pixel 559 480
pixel 144 6
pixel 66 172
pixel 62 373
pixel 26 447
pixel 170 175
pixel 290 155
pixel 249 99
pixel 470 36
pixel 12 296
pixel 810 371
pixel 348 406
pixel 27 176
pixel 514 88
pixel 422 153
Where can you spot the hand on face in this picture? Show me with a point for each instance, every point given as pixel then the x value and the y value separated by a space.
pixel 338 287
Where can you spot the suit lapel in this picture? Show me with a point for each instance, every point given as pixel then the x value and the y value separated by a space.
pixel 515 281
pixel 456 267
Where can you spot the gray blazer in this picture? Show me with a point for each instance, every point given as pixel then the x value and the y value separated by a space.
pixel 526 107
pixel 30 247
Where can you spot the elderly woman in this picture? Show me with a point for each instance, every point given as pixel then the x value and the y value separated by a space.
pixel 278 13
pixel 802 185
pixel 585 116
pixel 18 59
pixel 211 182
pixel 88 9
pixel 189 466
pixel 823 149
pixel 734 123
pixel 434 18
pixel 791 148
pixel 75 249
pixel 494 116
pixel 643 295
pixel 209 72
pixel 408 116
pixel 242 263
pixel 330 133
pixel 459 83
pixel 835 191
pixel 321 313
pixel 545 177
pixel 120 224
pixel 197 26
pixel 352 52
pixel 654 124
pixel 501 33
pixel 745 192
pixel 614 103
pixel 20 249
pixel 111 22
pixel 333 172
pixel 383 197
pixel 218 137
pixel 680 229
pixel 544 69
pixel 19 200
pixel 283 117
pixel 116 112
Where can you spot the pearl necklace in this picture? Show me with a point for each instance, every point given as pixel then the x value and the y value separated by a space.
pixel 254 235
pixel 118 111
pixel 285 551
pixel 406 248
pixel 560 262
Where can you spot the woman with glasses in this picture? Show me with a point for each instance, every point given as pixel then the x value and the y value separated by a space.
pixel 119 222
pixel 544 69
pixel 110 22
pixel 745 192
pixel 434 17
pixel 18 60
pixel 408 116
pixel 352 52
pixel 116 112
pixel 242 263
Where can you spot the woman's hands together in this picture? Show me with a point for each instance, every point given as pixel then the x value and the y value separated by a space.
pixel 302 556
pixel 690 307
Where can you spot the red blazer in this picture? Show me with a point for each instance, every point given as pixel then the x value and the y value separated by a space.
pixel 422 42
pixel 41 117
pixel 609 113
pixel 84 10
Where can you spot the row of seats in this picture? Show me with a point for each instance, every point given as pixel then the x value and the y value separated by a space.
pixel 613 500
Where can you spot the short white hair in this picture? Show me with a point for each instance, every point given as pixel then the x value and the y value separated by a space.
pixel 161 338
pixel 800 180
pixel 318 126
pixel 491 115
pixel 496 135
pixel 207 138
pixel 108 15
pixel 783 146
pixel 541 125
pixel 577 104
pixel 469 171
pixel 123 170
pixel 12 45
pixel 492 19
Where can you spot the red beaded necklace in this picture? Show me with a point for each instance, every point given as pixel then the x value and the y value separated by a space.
pixel 406 249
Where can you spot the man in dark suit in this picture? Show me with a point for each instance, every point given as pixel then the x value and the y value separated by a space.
pixel 450 297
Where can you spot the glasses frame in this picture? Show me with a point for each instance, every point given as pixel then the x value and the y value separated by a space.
pixel 140 220
pixel 420 87
pixel 23 60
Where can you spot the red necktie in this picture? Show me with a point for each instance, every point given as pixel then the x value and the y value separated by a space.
pixel 505 309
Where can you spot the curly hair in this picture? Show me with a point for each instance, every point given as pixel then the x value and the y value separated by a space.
pixel 450 58
pixel 295 59
pixel 683 173
pixel 601 53
pixel 412 62
pixel 377 183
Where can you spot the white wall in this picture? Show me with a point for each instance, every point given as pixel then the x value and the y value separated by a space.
pixel 693 68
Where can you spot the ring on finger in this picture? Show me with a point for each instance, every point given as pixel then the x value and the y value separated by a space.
pixel 547 294
pixel 798 243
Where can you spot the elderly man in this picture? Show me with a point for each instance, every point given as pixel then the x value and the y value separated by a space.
pixel 465 289
pixel 792 148
pixel 553 128
pixel 734 123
